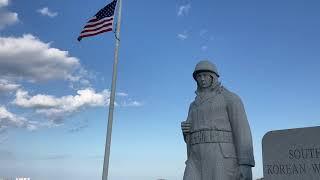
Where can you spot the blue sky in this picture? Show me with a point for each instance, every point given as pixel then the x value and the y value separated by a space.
pixel 54 90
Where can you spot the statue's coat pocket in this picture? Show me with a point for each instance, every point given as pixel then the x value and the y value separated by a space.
pixel 228 150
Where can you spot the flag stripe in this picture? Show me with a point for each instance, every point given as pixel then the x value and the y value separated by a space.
pixel 93 32
pixel 96 33
pixel 97 28
pixel 93 19
pixel 98 23
pixel 99 20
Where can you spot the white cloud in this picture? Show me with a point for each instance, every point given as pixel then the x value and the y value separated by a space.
pixel 183 36
pixel 8 119
pixel 204 48
pixel 4 3
pixel 7 86
pixel 67 103
pixel 57 109
pixel 122 94
pixel 184 9
pixel 131 103
pixel 46 12
pixel 7 18
pixel 29 58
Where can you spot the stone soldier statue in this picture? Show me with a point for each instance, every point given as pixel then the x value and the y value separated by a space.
pixel 217 133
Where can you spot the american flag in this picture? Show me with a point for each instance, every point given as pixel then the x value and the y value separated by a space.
pixel 101 22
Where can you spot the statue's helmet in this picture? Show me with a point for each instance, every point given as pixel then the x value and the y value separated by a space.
pixel 205 66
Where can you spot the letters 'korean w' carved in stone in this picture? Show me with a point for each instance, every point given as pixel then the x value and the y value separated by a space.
pixel 217 133
pixel 292 154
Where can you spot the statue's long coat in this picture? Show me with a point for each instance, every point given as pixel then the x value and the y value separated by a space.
pixel 223 111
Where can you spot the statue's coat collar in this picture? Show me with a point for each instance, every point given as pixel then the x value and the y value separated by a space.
pixel 217 89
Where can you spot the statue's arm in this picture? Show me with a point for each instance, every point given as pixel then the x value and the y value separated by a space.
pixel 241 130
pixel 186 125
pixel 186 133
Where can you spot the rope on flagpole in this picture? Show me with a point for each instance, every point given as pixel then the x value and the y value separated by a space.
pixel 115 33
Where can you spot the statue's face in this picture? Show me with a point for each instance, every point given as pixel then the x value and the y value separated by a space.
pixel 204 79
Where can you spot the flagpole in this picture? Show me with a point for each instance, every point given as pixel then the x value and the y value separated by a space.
pixel 112 97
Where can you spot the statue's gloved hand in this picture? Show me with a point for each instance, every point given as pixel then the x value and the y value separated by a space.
pixel 186 127
pixel 245 172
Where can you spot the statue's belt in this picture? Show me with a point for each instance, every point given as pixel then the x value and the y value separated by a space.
pixel 210 136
